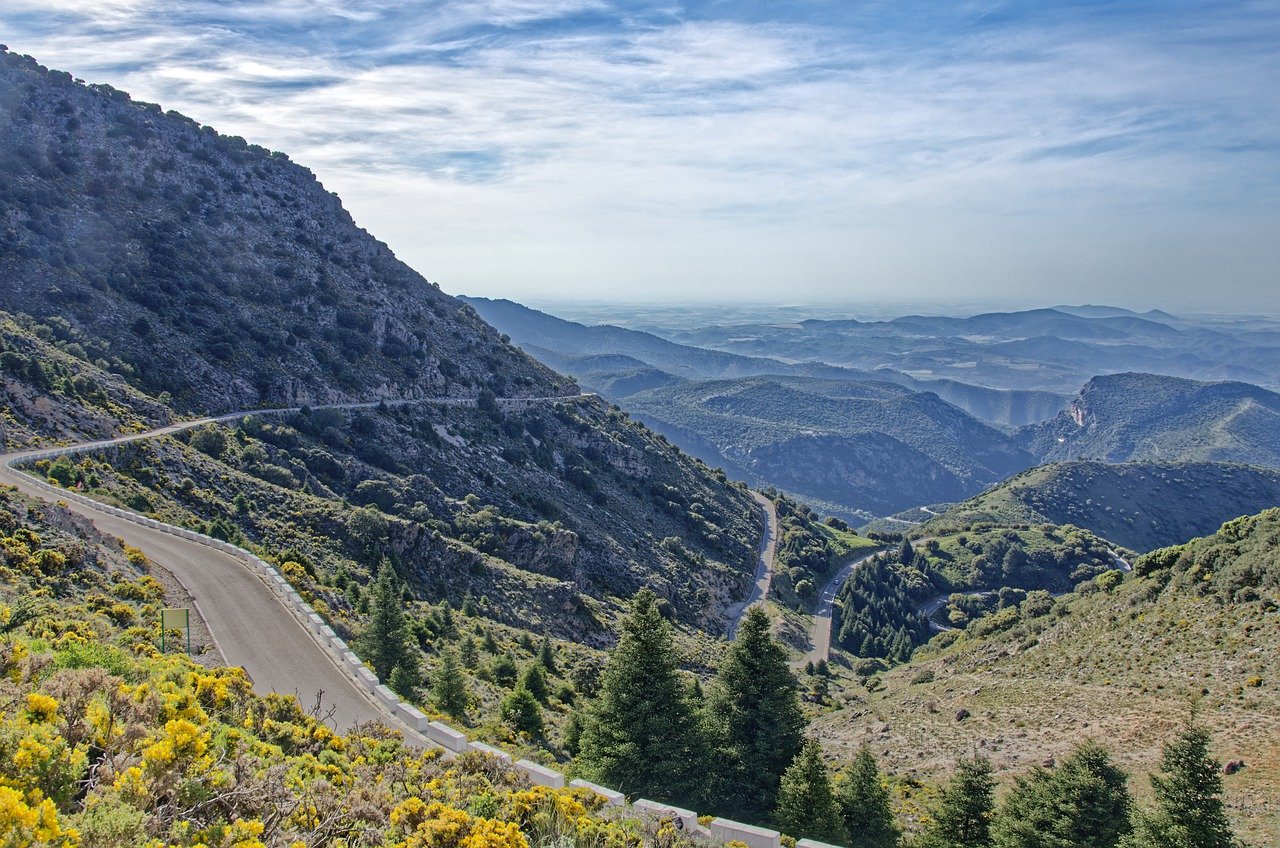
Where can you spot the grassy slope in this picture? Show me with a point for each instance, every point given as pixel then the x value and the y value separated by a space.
pixel 1141 506
pixel 1124 667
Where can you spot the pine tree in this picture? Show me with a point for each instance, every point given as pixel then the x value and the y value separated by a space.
pixel 906 553
pixel 470 658
pixel 806 809
pixel 962 817
pixel 641 734
pixel 406 677
pixel 535 680
pixel 547 655
pixel 1084 803
pixel 1189 810
pixel 522 711
pixel 490 644
pixel 503 669
pixel 383 642
pixel 755 715
pixel 449 686
pixel 865 807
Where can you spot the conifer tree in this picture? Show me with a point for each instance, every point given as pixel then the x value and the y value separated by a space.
pixel 490 644
pixel 1083 803
pixel 383 642
pixel 865 807
pixel 806 809
pixel 406 677
pixel 906 553
pixel 754 713
pixel 962 817
pixel 468 652
pixel 547 655
pixel 641 734
pixel 449 686
pixel 535 680
pixel 1189 810
pixel 522 711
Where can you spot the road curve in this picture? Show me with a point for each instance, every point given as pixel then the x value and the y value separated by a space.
pixel 251 624
pixel 820 628
pixel 764 565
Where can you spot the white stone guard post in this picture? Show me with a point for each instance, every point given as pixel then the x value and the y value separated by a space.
pixel 406 714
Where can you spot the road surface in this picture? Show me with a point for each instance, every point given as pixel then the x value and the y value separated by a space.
pixel 764 565
pixel 251 625
pixel 820 628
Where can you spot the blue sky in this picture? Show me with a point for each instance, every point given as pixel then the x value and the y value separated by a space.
pixel 804 151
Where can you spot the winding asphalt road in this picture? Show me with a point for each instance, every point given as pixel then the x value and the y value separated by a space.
pixel 251 625
pixel 820 629
pixel 764 565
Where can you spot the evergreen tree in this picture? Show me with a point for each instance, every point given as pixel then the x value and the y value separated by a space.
pixel 383 642
pixel 406 677
pixel 470 658
pixel 1084 803
pixel 806 809
pixel 490 644
pixel 522 711
pixel 449 686
pixel 906 553
pixel 865 807
pixel 535 680
pixel 547 655
pixel 962 817
pixel 755 715
pixel 641 734
pixel 503 669
pixel 1189 810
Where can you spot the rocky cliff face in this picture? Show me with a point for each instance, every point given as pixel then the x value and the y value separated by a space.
pixel 218 271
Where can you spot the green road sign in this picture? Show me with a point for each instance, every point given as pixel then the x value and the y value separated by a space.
pixel 175 619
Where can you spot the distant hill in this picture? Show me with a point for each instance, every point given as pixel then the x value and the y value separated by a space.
pixel 1124 417
pixel 1139 505
pixel 1193 628
pixel 876 447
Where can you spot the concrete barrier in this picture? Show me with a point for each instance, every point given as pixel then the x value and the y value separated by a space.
pixel 687 818
pixel 813 843
pixel 542 775
pixel 481 748
pixel 366 676
pixel 612 797
pixel 446 736
pixel 411 716
pixel 727 830
pixel 389 699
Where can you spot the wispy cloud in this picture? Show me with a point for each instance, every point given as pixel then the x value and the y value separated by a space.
pixel 555 143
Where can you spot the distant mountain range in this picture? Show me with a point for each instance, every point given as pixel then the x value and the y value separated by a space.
pixel 860 442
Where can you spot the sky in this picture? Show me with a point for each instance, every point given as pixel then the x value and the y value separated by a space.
pixel 816 152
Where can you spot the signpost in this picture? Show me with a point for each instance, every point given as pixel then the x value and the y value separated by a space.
pixel 175 619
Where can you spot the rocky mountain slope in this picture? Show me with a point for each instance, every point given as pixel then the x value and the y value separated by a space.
pixel 1140 505
pixel 1145 417
pixel 215 270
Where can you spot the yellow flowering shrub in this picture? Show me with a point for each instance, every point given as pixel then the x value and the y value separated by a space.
pixel 23 824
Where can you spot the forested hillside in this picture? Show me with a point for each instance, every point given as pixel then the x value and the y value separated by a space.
pixel 1140 505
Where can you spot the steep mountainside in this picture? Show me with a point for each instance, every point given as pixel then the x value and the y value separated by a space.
pixel 1193 627
pixel 163 268
pixel 1140 505
pixel 215 270
pixel 1123 417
